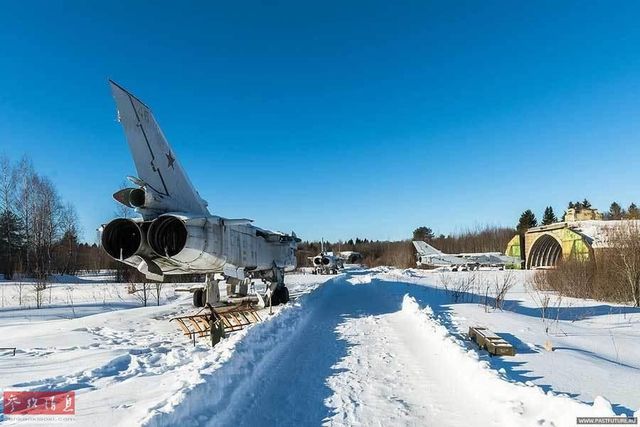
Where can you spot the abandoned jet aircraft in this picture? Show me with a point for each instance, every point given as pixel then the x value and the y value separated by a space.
pixel 330 262
pixel 326 263
pixel 176 234
pixel 428 256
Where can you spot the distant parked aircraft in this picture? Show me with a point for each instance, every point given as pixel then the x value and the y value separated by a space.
pixel 429 256
pixel 331 263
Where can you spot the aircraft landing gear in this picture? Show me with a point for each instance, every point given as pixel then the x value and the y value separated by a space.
pixel 198 297
pixel 210 294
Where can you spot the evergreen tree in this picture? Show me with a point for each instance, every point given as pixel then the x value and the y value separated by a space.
pixel 615 211
pixel 423 233
pixel 571 205
pixel 549 216
pixel 633 212
pixel 586 204
pixel 10 241
pixel 527 220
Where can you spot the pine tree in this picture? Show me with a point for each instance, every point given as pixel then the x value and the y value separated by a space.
pixel 423 233
pixel 571 205
pixel 615 211
pixel 527 220
pixel 549 216
pixel 586 204
pixel 633 212
pixel 10 241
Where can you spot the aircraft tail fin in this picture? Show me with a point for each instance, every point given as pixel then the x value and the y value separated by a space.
pixel 158 168
pixel 424 249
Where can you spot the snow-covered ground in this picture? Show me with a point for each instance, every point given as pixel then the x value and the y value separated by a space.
pixel 368 347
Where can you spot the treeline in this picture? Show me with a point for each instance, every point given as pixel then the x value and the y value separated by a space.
pixel 39 232
pixel 617 212
pixel 402 253
pixel 480 239
pixel 528 219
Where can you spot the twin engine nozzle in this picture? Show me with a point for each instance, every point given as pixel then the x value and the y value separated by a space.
pixel 165 236
pixel 321 260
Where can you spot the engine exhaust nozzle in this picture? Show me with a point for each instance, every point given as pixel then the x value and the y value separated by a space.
pixel 167 235
pixel 122 238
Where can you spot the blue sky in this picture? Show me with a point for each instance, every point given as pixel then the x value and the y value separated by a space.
pixel 335 119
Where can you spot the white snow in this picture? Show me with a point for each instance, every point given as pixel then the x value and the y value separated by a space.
pixel 369 347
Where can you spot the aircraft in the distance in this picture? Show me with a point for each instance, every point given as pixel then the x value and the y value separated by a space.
pixel 176 234
pixel 326 263
pixel 331 262
pixel 428 256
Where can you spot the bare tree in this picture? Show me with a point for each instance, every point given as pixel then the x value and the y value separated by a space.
pixel 502 284
pixel 8 183
pixel 158 290
pixel 24 206
pixel 39 287
pixel 45 223
pixel 70 300
pixel 9 223
pixel 141 291
pixel 122 211
pixel 537 288
pixel 625 246
pixel 459 286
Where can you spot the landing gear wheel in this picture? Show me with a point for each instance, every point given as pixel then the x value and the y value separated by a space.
pixel 198 297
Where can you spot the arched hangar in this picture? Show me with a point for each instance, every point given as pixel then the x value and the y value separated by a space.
pixel 547 245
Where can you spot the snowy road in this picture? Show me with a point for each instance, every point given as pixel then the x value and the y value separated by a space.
pixel 358 352
pixel 362 348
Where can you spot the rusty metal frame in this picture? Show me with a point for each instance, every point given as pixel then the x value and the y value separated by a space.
pixel 234 318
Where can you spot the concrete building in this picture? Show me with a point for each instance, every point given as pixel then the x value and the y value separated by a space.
pixel 583 214
pixel 545 246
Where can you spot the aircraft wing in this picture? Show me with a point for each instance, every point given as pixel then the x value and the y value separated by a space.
pixel 157 165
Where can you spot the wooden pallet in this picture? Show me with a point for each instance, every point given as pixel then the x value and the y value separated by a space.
pixel 490 341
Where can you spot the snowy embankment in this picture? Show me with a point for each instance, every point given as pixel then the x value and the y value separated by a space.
pixel 369 347
pixel 409 370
